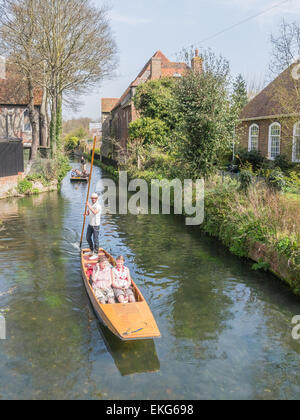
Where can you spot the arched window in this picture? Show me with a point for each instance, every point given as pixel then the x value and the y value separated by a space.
pixel 296 143
pixel 253 137
pixel 274 140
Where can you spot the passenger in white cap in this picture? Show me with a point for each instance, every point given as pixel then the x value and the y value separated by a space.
pixel 94 211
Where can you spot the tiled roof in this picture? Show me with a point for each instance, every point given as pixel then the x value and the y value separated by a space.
pixel 168 69
pixel 278 98
pixel 13 90
pixel 107 104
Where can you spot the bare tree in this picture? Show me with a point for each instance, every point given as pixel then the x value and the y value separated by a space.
pixel 76 45
pixel 64 47
pixel 286 47
pixel 17 39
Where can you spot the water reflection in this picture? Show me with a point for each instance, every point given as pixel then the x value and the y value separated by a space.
pixel 131 357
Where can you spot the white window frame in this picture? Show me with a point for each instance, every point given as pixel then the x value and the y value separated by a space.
pixel 270 140
pixel 295 142
pixel 250 138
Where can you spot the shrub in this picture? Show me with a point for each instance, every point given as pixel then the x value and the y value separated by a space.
pixel 254 158
pixel 276 180
pixel 282 162
pixel 246 180
pixel 24 187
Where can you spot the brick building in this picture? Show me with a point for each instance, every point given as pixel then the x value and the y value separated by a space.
pixel 271 121
pixel 118 113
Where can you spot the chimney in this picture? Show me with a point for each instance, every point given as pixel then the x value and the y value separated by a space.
pixel 197 63
pixel 2 68
pixel 156 64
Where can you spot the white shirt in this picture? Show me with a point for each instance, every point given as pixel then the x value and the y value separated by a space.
pixel 95 219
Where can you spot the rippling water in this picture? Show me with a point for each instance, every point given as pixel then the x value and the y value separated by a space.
pixel 226 330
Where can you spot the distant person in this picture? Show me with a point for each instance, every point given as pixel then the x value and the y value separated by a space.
pixel 83 165
pixel 93 231
pixel 102 282
pixel 122 283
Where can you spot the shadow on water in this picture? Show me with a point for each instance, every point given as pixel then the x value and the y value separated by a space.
pixel 131 357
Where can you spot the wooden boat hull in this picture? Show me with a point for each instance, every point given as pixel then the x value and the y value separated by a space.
pixel 131 321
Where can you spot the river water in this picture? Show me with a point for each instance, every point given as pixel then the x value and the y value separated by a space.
pixel 226 330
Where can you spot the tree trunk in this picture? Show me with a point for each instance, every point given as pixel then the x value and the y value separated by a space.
pixel 53 127
pixel 59 123
pixel 44 122
pixel 34 120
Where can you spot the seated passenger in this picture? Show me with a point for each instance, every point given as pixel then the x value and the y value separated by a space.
pixel 122 282
pixel 78 173
pixel 102 282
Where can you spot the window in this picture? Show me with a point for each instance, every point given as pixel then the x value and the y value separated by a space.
pixel 296 143
pixel 26 122
pixel 253 137
pixel 274 140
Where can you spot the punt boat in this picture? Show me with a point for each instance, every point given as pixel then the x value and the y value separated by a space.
pixel 130 321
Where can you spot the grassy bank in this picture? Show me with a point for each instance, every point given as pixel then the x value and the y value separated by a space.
pixel 261 224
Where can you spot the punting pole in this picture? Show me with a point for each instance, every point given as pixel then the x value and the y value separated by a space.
pixel 88 193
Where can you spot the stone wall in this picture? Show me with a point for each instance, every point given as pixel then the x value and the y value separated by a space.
pixel 8 183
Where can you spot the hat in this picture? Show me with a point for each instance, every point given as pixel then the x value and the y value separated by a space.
pixel 95 196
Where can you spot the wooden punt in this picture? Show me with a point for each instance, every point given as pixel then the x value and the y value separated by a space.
pixel 79 179
pixel 131 321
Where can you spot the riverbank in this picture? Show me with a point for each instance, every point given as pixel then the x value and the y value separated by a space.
pixel 261 225
pixel 45 176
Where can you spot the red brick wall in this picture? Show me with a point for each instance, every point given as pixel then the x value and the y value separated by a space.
pixel 8 183
pixel 287 126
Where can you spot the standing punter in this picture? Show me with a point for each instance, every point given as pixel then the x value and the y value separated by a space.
pixel 94 211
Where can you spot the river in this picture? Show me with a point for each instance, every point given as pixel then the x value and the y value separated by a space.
pixel 226 329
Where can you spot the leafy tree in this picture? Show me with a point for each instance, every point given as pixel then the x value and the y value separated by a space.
pixel 207 118
pixel 240 94
pixel 156 100
pixel 149 130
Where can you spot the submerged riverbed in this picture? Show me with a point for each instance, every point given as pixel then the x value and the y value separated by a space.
pixel 226 330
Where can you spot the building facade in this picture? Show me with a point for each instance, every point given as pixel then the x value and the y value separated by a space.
pixel 270 123
pixel 118 113
pixel 14 115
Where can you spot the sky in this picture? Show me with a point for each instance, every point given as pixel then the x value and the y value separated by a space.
pixel 141 27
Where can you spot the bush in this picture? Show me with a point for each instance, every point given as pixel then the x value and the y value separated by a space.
pixel 254 158
pixel 276 180
pixel 282 162
pixel 246 180
pixel 71 143
pixel 24 187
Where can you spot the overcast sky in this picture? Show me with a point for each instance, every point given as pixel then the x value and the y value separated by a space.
pixel 141 27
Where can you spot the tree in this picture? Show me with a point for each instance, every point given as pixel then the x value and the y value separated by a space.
pixel 77 48
pixel 156 100
pixel 286 47
pixel 17 38
pixel 207 118
pixel 240 94
pixel 64 47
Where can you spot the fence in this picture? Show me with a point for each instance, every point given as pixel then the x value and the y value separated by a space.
pixel 11 159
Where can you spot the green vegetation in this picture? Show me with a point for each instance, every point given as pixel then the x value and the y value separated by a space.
pixel 24 187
